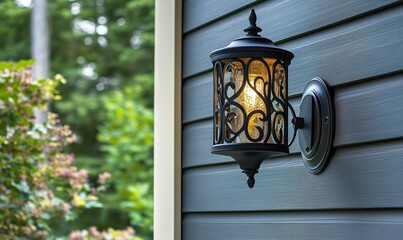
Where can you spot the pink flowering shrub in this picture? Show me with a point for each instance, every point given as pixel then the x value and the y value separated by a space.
pixel 94 234
pixel 37 180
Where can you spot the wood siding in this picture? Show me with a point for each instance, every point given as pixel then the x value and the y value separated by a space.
pixel 357 48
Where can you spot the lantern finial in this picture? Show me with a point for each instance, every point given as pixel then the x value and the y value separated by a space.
pixel 252 30
pixel 250 173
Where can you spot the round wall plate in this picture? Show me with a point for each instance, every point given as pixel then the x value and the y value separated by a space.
pixel 316 137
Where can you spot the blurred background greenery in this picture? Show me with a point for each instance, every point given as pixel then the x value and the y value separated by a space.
pixel 105 50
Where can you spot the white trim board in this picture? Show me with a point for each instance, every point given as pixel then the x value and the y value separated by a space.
pixel 167 120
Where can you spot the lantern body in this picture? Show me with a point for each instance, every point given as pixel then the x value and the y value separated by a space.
pixel 250 109
pixel 250 105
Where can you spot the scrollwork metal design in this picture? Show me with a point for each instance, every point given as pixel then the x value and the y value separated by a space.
pixel 279 103
pixel 250 104
pixel 218 102
pixel 233 112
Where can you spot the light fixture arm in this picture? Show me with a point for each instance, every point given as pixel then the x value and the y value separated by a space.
pixel 298 123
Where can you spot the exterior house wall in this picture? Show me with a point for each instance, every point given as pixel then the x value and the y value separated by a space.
pixel 357 48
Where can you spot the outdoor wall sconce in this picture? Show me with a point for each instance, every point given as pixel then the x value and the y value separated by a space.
pixel 250 78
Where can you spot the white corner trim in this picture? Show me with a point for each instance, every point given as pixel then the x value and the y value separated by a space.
pixel 167 120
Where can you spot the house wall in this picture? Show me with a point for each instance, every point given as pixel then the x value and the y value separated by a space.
pixel 357 48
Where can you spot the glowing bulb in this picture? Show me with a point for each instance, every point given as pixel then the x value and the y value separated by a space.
pixel 252 99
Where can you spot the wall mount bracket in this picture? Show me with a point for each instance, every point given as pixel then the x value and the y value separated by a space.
pixel 316 137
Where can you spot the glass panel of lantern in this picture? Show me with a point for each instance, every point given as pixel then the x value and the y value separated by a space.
pixel 250 101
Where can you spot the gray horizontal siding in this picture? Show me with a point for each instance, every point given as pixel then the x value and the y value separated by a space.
pixel 370 111
pixel 344 55
pixel 357 48
pixel 365 112
pixel 197 98
pixel 366 176
pixel 304 19
pixel 348 225
pixel 198 13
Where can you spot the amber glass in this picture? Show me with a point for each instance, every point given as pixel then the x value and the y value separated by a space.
pixel 251 95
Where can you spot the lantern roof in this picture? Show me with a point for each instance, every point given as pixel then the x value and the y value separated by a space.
pixel 252 45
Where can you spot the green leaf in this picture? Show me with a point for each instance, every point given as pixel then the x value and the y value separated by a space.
pixel 3 128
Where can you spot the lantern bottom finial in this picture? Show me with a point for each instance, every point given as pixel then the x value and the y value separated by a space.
pixel 251 177
pixel 250 155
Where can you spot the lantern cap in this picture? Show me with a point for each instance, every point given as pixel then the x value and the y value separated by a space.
pixel 252 45
pixel 252 30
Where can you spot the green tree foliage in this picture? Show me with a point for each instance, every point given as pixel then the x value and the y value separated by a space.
pixel 127 138
pixel 14 31
pixel 106 46
pixel 37 180
pixel 103 48
pixel 98 45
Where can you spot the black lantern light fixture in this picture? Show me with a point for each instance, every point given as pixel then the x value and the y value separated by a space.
pixel 250 78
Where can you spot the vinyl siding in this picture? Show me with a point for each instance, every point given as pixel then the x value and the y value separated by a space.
pixel 357 48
